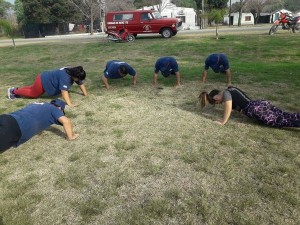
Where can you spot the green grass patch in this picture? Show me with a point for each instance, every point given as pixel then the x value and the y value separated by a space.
pixel 151 156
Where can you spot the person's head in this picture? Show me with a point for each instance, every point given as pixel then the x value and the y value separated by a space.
pixel 77 73
pixel 212 98
pixel 59 104
pixel 123 70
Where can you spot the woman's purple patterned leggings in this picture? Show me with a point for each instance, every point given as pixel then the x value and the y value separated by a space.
pixel 270 115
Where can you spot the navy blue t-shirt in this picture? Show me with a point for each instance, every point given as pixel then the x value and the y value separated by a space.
pixel 35 118
pixel 166 65
pixel 54 81
pixel 112 69
pixel 217 62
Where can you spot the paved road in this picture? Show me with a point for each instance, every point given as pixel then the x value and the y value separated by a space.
pixel 87 37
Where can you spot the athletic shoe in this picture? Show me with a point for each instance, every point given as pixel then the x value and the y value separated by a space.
pixel 10 93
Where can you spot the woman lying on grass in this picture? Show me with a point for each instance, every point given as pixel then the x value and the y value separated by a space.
pixel 52 82
pixel 261 110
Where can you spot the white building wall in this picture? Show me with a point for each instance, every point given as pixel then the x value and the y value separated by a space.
pixel 172 11
pixel 188 16
pixel 243 19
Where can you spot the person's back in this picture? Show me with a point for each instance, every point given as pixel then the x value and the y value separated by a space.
pixel 166 65
pixel 35 118
pixel 219 63
pixel 56 80
pixel 239 99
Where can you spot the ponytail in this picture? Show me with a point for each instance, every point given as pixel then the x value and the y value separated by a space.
pixel 205 98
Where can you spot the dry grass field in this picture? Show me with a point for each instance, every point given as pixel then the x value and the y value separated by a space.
pixel 151 156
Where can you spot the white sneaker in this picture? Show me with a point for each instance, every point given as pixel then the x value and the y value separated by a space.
pixel 10 93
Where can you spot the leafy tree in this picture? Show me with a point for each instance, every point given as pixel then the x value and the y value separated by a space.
pixel 4 7
pixel 48 11
pixel 35 11
pixel 8 29
pixel 239 7
pixel 185 3
pixel 61 11
pixel 217 4
pixel 114 5
pixel 292 5
pixel 256 7
pixel 90 9
pixel 21 19
pixel 200 5
pixel 160 4
pixel 138 3
pixel 235 7
pixel 216 15
pixel 179 3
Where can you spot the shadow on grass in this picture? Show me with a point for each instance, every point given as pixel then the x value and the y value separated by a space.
pixel 158 36
pixel 56 131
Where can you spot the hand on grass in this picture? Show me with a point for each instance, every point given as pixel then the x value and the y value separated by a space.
pixel 73 137
pixel 219 122
pixel 73 105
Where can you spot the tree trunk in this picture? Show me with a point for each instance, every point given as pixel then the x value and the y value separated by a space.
pixel 92 22
pixel 257 18
pixel 240 17
pixel 217 33
pixel 199 19
pixel 56 30
pixel 13 40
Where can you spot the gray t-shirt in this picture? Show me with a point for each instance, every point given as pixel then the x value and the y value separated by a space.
pixel 226 96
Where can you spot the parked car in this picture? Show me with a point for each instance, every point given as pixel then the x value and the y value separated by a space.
pixel 142 22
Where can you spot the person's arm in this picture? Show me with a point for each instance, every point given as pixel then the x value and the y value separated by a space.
pixel 178 83
pixel 83 89
pixel 134 79
pixel 204 74
pixel 66 122
pixel 105 82
pixel 155 79
pixel 66 97
pixel 227 112
pixel 228 74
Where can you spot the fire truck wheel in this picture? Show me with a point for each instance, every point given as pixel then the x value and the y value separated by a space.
pixel 166 33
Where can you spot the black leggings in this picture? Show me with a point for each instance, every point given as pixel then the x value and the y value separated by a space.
pixel 10 132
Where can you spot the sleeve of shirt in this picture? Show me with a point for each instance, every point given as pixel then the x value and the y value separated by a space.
pixel 174 65
pixel 131 71
pixel 206 67
pixel 225 63
pixel 226 96
pixel 80 82
pixel 106 68
pixel 106 74
pixel 56 114
pixel 64 83
pixel 156 67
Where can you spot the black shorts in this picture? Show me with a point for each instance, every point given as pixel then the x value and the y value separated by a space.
pixel 10 132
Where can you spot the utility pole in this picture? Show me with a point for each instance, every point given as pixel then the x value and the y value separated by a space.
pixel 203 15
pixel 229 16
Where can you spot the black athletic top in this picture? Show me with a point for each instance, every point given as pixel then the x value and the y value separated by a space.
pixel 239 99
